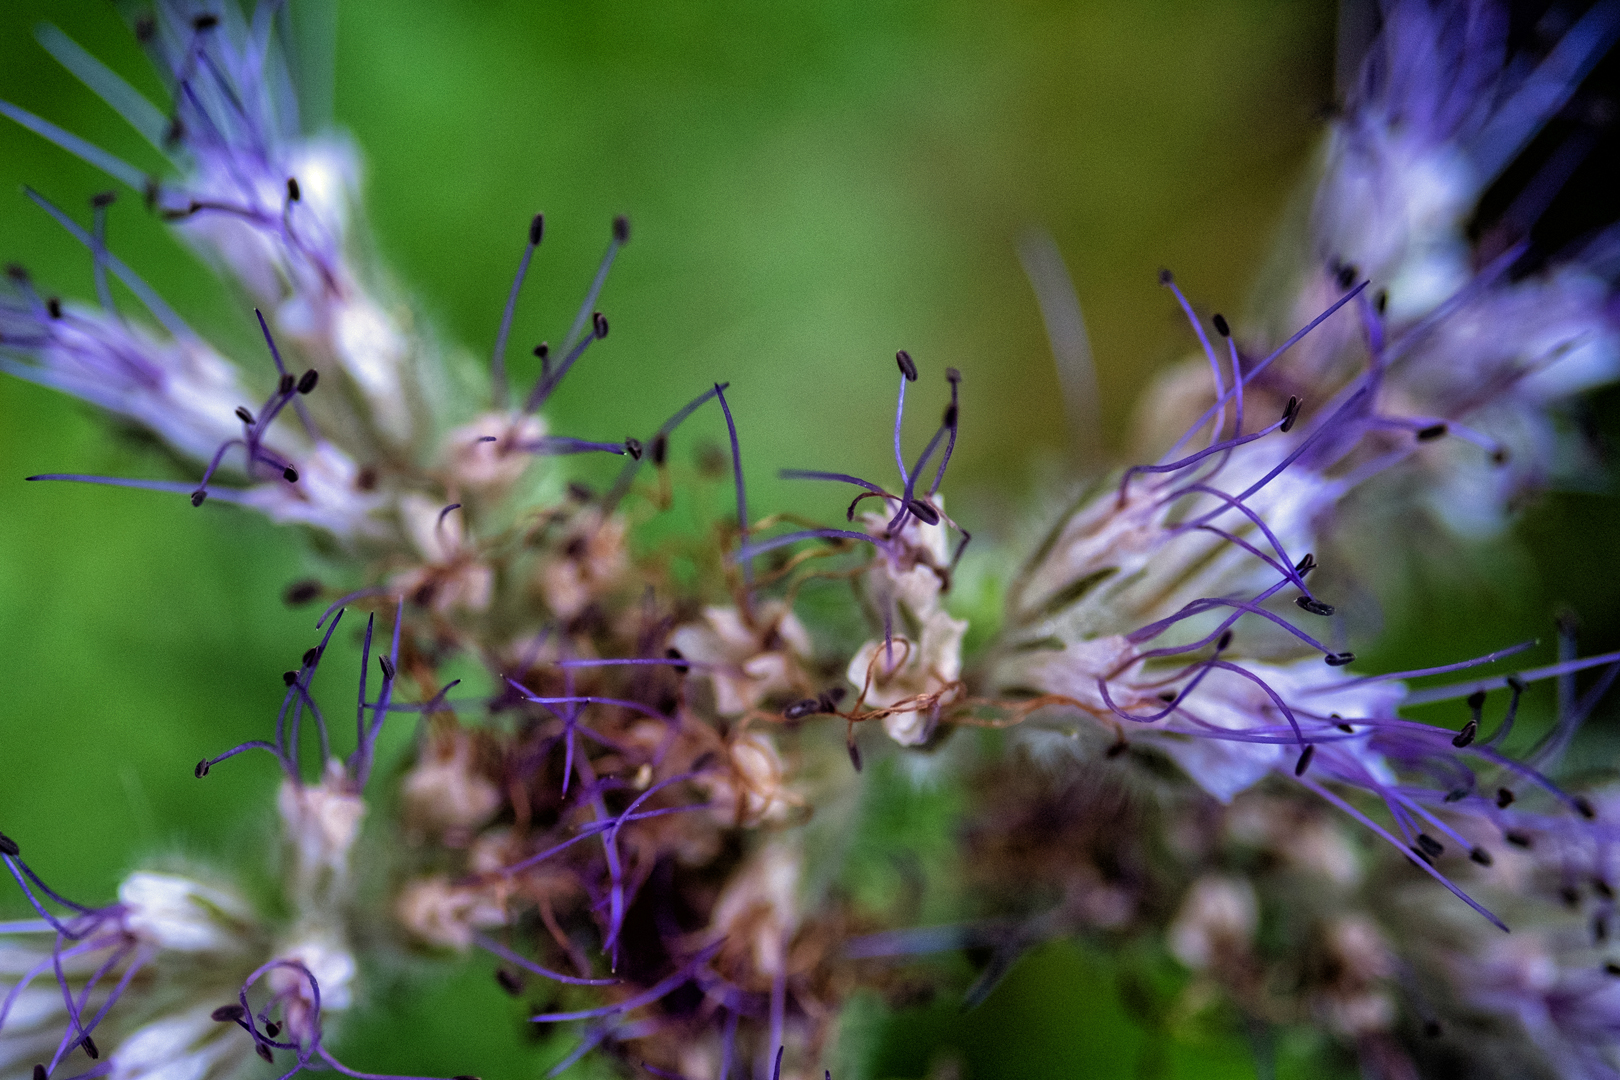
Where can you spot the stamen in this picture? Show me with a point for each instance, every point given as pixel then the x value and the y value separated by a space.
pixel 1431 847
pixel 1290 415
pixel 243 415
pixel 1305 759
pixel 293 194
pixel 908 366
pixel 8 846
pixel 1432 432
pixel 1315 607
pixel 742 495
pixel 307 381
pixel 498 363
pixel 1481 856
pixel 226 1014
pixel 1221 327
pixel 1339 659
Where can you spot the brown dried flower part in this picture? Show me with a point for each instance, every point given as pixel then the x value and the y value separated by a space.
pixel 438 913
pixel 1349 991
pixel 453 576
pixel 445 794
pixel 488 455
pixel 750 787
pixel 588 563
pixel 754 654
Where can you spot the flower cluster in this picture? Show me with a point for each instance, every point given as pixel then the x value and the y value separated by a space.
pixel 622 806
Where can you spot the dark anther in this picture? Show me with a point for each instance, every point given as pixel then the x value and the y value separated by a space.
pixel 537 229
pixel 202 769
pixel 204 21
pixel 1224 642
pixel 289 677
pixel 366 479
pixel 1347 729
pixel 1570 897
pixel 1481 856
pixel 1312 605
pixel 1420 853
pixel 1612 968
pixel 290 475
pixel 830 698
pixel 1221 327
pixel 90 1047
pixel 1116 749
pixel 288 385
pixel 1347 276
pixel 264 1052
pixel 952 376
pixel 1290 414
pixel 1602 888
pixel 1518 839
pixel 243 415
pixel 579 492
pixel 307 381
pixel 802 708
pixel 632 446
pixel 1466 735
pixel 198 496
pixel 854 755
pixel 1431 1028
pixel 1430 845
pixel 272 1028
pixel 1499 456
pixel 1456 795
pixel 599 325
pixel 1433 431
pixel 1166 277
pixel 39 1072
pixel 152 191
pixel 1381 301
pixel 1167 696
pixel 225 1014
pixel 925 513
pixel 17 272
pixel 673 653
pixel 174 134
pixel 464 1076
pixel 311 655
pixel 102 199
pixel 543 350
pixel 508 981
pixel 950 416
pixel 145 29
pixel 8 846
pixel 908 366
pixel 302 592
pixel 1476 701
pixel 660 449
pixel 387 667
pixel 1305 565
pixel 1304 760
pixel 1583 807
pixel 54 306
pixel 1339 659
pixel 293 194
pixel 621 229
pixel 1504 798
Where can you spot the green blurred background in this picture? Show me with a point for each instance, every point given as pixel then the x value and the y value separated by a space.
pixel 812 186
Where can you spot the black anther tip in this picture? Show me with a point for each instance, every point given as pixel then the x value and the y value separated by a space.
pixel 103 199
pixel 311 655
pixel 802 708
pixel 1570 897
pixel 1518 839
pixel 543 349
pixel 1305 565
pixel 924 513
pixel 198 497
pixel 17 272
pixel 302 592
pixel 1290 414
pixel 90 1047
pixel 599 325
pixel 145 29
pixel 1465 737
pixel 673 653
pixel 1347 276
pixel 243 415
pixel 272 1028
pixel 1224 642
pixel 953 376
pixel 1481 856
pixel 950 416
pixel 1499 456
pixel 1456 795
pixel 1432 432
pixel 1612 968
pixel 1504 798
pixel 307 381
pixel 1583 807
pixel 225 1014
pixel 621 229
pixel 1339 659
pixel 40 1073
pixel 464 1076
pixel 660 449
pixel 293 194
pixel 1314 606
pixel 854 755
pixel 290 475
pixel 289 677
pixel 1431 1029
pixel 199 772
pixel 632 446
pixel 263 1051
pixel 1304 761
pixel 204 21
pixel 908 367
pixel 1430 845
pixel 1221 326
pixel 1116 749
pixel 1166 277
pixel 8 846
pixel 288 384
pixel 508 981
pixel 54 306
pixel 1381 301
pixel 1476 700
pixel 537 229
pixel 387 666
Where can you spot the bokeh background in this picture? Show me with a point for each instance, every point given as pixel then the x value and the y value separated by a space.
pixel 811 186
